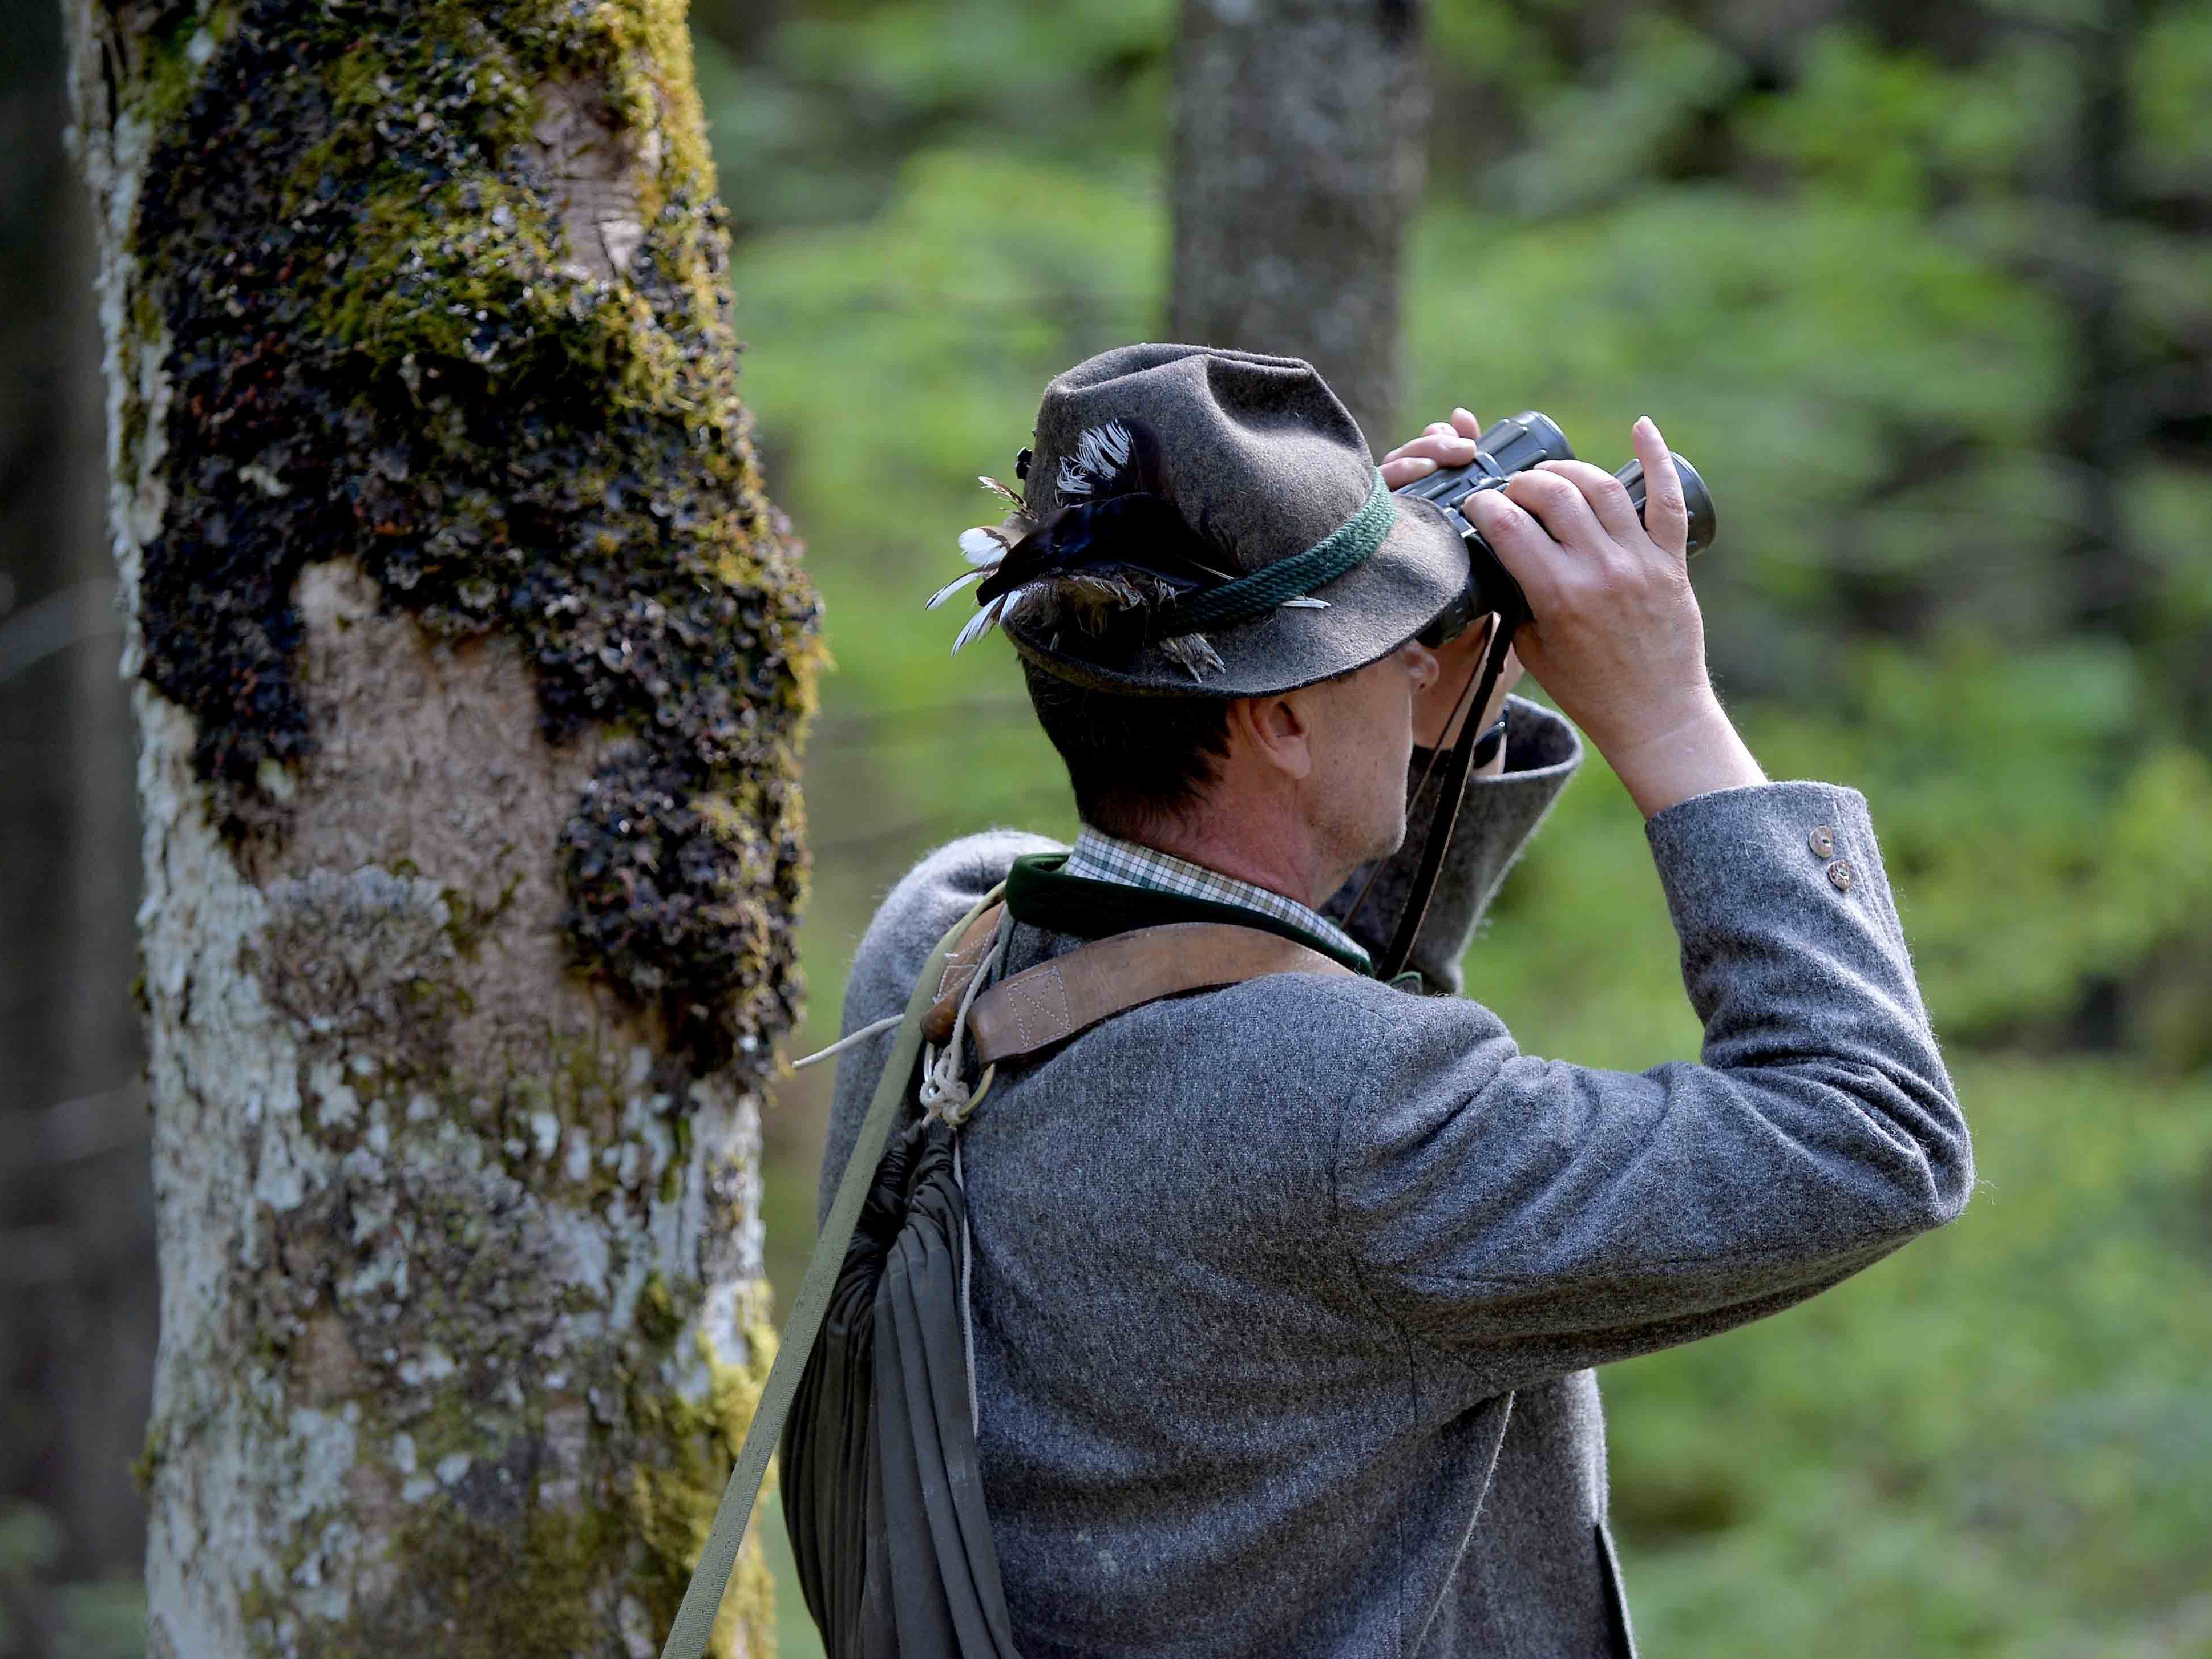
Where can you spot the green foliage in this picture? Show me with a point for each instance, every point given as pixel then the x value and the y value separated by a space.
pixel 1843 268
pixel 2043 850
pixel 104 1618
pixel 1824 264
pixel 1888 129
pixel 814 124
pixel 1999 1442
pixel 893 361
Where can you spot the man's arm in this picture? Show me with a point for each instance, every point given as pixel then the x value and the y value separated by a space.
pixel 1532 1218
pixel 1537 1217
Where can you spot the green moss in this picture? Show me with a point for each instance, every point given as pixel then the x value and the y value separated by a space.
pixel 658 1319
pixel 494 1563
pixel 520 1595
pixel 364 271
pixel 673 1505
pixel 173 54
pixel 151 1456
pixel 472 1589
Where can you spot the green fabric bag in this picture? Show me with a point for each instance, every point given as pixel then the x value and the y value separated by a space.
pixel 882 1447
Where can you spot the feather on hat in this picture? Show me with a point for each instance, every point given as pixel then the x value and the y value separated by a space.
pixel 1116 550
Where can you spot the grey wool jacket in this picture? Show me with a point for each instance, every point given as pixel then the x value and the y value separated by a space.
pixel 1285 1294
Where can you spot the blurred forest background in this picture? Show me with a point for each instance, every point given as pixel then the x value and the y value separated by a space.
pixel 1926 292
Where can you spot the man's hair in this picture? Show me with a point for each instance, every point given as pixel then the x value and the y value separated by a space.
pixel 1134 761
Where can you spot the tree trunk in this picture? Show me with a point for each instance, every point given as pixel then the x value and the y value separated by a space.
pixel 2102 424
pixel 1298 167
pixel 76 1203
pixel 470 667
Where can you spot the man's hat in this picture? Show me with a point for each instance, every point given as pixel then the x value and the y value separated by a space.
pixel 1208 523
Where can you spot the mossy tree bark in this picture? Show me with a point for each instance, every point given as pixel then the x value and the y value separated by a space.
pixel 469 663
pixel 1298 165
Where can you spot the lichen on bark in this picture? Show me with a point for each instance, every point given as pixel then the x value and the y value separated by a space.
pixel 444 286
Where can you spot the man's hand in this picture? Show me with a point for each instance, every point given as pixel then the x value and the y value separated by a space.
pixel 1451 443
pixel 1616 636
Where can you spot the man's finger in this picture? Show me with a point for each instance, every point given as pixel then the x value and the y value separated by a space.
pixel 1443 444
pixel 1465 424
pixel 1520 542
pixel 1607 495
pixel 1417 459
pixel 1559 506
pixel 1432 443
pixel 1666 516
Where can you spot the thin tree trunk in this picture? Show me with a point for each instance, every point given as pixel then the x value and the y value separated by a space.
pixel 470 663
pixel 1298 167
pixel 2111 584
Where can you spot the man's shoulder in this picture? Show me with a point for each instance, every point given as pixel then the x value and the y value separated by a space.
pixel 1319 1033
pixel 1360 1032
pixel 924 902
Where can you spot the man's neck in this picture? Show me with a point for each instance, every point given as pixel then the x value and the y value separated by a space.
pixel 1265 852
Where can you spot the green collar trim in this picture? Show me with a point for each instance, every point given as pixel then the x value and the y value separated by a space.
pixel 1039 896
pixel 1351 545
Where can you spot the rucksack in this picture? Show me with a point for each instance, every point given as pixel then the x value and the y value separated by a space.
pixel 872 1391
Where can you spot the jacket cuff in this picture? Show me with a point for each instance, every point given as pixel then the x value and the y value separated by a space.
pixel 1768 861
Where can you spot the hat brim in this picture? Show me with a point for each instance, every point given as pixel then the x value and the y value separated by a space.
pixel 1371 610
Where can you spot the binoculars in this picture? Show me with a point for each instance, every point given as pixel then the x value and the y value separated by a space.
pixel 1505 449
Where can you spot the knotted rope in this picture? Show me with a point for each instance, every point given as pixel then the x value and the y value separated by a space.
pixel 945 1094
pixel 1344 548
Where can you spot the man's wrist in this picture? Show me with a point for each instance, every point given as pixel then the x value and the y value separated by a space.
pixel 1697 754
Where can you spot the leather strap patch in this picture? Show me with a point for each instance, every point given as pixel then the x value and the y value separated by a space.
pixel 1054 1000
pixel 959 971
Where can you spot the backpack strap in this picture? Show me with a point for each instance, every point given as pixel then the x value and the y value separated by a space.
pixel 1030 1011
pixel 703 1597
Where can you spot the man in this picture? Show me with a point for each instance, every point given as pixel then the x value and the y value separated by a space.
pixel 1284 1295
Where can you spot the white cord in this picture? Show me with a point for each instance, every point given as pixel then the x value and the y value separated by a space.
pixel 845 1043
pixel 942 1094
pixel 967 1273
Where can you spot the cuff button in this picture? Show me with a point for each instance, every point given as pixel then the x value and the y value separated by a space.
pixel 1839 876
pixel 1823 841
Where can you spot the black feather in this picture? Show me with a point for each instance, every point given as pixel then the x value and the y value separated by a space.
pixel 1140 534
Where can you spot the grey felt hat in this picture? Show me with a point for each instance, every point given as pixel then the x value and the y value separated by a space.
pixel 1206 522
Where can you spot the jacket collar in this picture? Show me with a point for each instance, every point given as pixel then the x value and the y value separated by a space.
pixel 1041 894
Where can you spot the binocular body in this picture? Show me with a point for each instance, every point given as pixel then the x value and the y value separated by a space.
pixel 1508 448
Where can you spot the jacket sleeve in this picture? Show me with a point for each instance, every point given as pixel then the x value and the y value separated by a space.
pixel 1535 1217
pixel 1497 817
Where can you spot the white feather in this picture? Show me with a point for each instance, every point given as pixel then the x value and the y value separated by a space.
pixel 983 546
pixel 953 586
pixel 1100 453
pixel 982 622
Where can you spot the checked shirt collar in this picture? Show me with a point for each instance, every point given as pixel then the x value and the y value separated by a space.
pixel 1098 856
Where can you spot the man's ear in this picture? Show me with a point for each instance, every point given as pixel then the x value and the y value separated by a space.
pixel 1277 731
